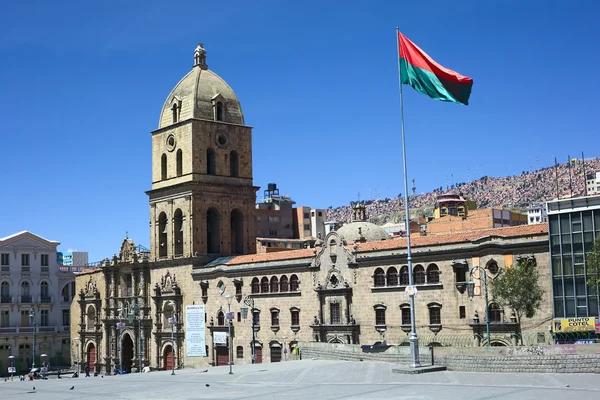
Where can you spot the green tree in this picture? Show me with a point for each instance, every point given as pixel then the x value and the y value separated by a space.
pixel 592 259
pixel 519 289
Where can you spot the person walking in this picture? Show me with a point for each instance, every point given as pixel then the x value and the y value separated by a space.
pixel 87 371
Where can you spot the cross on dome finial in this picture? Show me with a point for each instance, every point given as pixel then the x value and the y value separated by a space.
pixel 200 56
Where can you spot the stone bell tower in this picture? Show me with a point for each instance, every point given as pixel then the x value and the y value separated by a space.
pixel 202 198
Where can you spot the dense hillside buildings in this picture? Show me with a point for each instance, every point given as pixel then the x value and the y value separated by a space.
pixel 202 270
pixel 35 300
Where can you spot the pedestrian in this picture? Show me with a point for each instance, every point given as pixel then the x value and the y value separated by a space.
pixel 87 371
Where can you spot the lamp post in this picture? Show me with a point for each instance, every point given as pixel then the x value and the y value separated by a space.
pixel 134 311
pixel 284 348
pixel 249 303
pixel 120 327
pixel 471 293
pixel 172 321
pixel 33 323
pixel 229 297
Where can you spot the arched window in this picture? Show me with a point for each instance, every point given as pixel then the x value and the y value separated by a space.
pixel 220 318
pixel 175 112
pixel 274 285
pixel 237 232
pixel 162 235
pixel 90 318
pixel 219 111
pixel 168 312
pixel 433 274
pixel 392 276
pixel 404 275
pixel 25 289
pixel 294 284
pixel 233 164
pixel 239 352
pixel 283 284
pixel 405 314
pixel 211 168
pixel 44 292
pixel 379 278
pixel 255 286
pixel 163 167
pixel 264 285
pixel 495 312
pixel 178 226
pixel 435 313
pixel 213 231
pixel 5 292
pixel 419 275
pixel 380 314
pixel 179 162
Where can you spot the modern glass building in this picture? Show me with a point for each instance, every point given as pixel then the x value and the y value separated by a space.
pixel 574 224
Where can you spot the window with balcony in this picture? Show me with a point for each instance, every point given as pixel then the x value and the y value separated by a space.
pixel 334 313
pixel 44 292
pixel 435 313
pixel 25 294
pixel 295 314
pixel 25 260
pixel 256 318
pixel 380 314
pixel 44 260
pixel 44 318
pixel 5 292
pixel 25 318
pixel 405 314
pixel 274 317
pixel 5 259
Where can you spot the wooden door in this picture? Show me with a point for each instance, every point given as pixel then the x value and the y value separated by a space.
pixel 169 358
pixel 258 353
pixel 222 355
pixel 91 357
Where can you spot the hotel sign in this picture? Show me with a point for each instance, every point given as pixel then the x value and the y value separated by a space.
pixel 574 324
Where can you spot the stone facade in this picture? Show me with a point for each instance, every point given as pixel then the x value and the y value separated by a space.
pixel 348 289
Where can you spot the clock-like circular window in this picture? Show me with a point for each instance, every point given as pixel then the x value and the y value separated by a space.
pixel 222 139
pixel 171 142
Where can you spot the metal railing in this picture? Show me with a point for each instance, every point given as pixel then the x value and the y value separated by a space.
pixel 25 298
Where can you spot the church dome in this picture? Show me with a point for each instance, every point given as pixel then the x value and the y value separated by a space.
pixel 362 231
pixel 201 94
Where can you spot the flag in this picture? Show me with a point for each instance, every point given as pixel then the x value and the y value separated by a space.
pixel 428 77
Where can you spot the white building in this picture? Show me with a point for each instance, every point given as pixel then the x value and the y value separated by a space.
pixel 537 214
pixel 35 300
pixel 593 184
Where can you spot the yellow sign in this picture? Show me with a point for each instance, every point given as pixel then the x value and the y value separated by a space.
pixel 574 324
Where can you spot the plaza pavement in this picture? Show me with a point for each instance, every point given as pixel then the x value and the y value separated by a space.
pixel 312 380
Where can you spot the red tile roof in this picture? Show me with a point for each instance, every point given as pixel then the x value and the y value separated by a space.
pixel 416 241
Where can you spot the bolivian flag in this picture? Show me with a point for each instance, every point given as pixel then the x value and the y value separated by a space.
pixel 428 77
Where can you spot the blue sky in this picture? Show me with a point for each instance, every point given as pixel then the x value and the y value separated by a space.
pixel 82 86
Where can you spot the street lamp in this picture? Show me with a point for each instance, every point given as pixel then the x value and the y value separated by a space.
pixel 284 348
pixel 134 311
pixel 229 297
pixel 471 293
pixel 249 303
pixel 32 322
pixel 172 321
pixel 120 327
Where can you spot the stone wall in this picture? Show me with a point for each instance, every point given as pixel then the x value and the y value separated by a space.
pixel 542 359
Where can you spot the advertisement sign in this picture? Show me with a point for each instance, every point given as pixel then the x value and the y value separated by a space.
pixel 195 331
pixel 597 328
pixel 220 338
pixel 573 324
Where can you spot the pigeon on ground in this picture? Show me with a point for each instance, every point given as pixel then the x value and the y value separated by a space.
pixel 72 387
pixel 207 385
pixel 102 376
pixel 204 370
pixel 34 388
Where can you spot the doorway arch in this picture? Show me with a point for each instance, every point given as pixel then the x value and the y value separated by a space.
pixel 91 357
pixel 127 346
pixel 168 358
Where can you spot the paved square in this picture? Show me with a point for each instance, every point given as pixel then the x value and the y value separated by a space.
pixel 310 379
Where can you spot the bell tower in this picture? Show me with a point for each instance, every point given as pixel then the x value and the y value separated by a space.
pixel 202 198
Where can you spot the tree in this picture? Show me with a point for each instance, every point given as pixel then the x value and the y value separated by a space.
pixel 519 289
pixel 592 259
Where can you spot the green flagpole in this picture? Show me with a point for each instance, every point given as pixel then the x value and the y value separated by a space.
pixel 413 339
